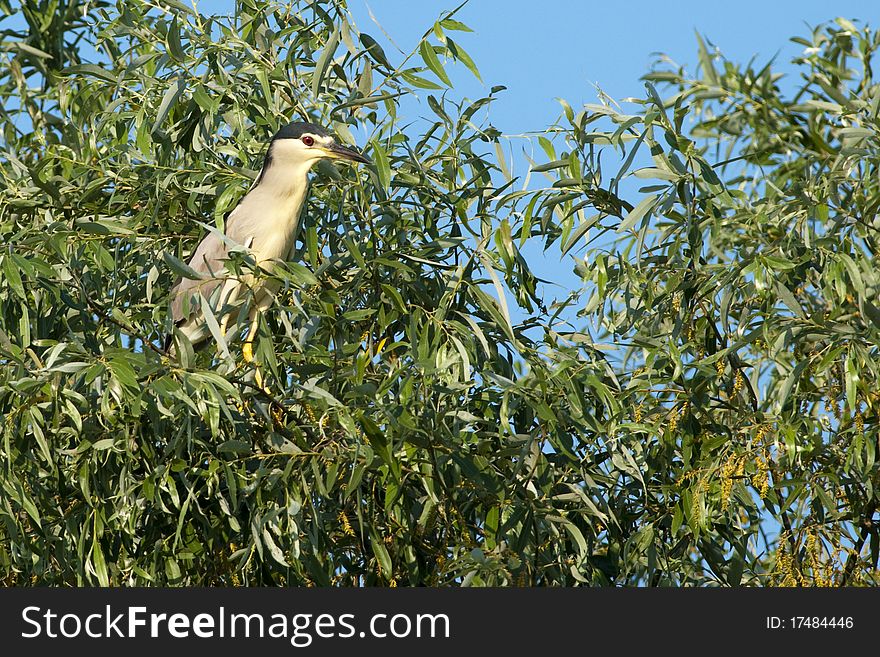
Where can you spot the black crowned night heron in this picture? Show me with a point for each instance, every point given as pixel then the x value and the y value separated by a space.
pixel 264 223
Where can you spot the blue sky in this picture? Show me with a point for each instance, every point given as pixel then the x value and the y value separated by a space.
pixel 563 48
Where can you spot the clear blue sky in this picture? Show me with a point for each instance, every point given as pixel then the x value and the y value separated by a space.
pixel 541 50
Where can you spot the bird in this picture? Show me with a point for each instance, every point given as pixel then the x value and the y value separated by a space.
pixel 264 223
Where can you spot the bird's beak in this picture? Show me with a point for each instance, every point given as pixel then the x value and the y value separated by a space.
pixel 338 152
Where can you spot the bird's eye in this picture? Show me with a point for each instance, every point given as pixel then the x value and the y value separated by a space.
pixel 308 141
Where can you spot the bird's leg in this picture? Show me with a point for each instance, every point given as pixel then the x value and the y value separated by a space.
pixel 227 294
pixel 247 351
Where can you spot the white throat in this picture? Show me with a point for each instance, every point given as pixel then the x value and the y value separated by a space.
pixel 275 203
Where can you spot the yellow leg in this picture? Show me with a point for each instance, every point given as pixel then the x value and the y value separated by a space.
pixel 248 349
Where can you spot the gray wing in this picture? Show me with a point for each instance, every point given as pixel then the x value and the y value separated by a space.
pixel 209 260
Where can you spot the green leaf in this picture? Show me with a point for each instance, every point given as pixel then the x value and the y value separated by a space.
pixel 851 379
pixel 784 394
pixel 175 47
pixel 710 76
pixel 122 371
pixel 180 268
pixel 30 50
pixel 418 81
pixel 461 55
pixel 507 325
pixel 93 70
pixel 274 551
pixel 549 166
pixel 852 269
pixel 100 564
pixel 452 24
pixel 324 61
pixel 13 278
pixel 430 58
pixel 789 300
pixel 174 91
pixel 358 315
pixel 660 174
pixel 578 233
pixel 383 167
pixel 644 207
pixel 375 50
pixel 382 556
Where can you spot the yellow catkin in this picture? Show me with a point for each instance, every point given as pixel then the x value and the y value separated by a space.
pixel 814 554
pixel 785 567
pixel 696 501
pixel 728 471
pixel 737 383
pixel 690 474
pixel 676 302
pixel 346 525
pixel 719 367
pixel 637 413
pixel 859 423
pixel 828 574
pixel 760 432
pixel 761 478
pixel 277 414
pixel 673 420
pixel 831 403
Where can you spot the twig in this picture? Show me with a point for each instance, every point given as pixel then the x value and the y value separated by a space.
pixel 854 556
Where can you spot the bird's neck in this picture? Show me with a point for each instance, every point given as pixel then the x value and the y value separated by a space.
pixel 274 204
pixel 279 196
pixel 285 184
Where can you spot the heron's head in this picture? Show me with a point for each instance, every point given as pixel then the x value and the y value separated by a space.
pixel 300 145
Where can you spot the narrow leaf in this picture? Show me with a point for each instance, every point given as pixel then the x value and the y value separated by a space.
pixel 644 207
pixel 431 61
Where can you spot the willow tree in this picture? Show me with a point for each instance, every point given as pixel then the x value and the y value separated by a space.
pixel 742 293
pixel 702 411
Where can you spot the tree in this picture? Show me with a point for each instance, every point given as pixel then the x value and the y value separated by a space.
pixel 429 417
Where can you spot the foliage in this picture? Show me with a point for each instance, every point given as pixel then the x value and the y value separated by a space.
pixel 429 417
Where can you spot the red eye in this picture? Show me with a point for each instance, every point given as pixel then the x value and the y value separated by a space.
pixel 308 141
